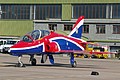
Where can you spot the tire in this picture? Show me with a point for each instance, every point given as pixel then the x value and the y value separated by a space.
pixel 74 65
pixel 1 50
pixel 85 56
pixel 94 56
pixel 33 62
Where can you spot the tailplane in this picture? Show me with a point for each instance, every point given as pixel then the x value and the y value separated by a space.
pixel 77 29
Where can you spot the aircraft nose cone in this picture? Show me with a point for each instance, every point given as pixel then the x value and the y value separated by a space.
pixel 10 50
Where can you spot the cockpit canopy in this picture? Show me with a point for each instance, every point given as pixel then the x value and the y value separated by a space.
pixel 34 35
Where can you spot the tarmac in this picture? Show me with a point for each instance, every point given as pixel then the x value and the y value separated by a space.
pixel 108 69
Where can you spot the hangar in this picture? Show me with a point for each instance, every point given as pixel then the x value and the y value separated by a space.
pixel 102 18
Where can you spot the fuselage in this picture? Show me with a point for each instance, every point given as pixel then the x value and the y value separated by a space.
pixel 50 42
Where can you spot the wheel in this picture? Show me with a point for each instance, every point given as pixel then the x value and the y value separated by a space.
pixel 19 65
pixel 33 62
pixel 74 64
pixel 85 56
pixel 1 50
pixel 102 57
pixel 94 56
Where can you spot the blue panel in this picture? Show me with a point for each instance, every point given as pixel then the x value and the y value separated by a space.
pixel 67 45
pixel 78 33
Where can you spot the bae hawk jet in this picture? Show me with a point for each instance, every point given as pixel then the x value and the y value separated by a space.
pixel 47 43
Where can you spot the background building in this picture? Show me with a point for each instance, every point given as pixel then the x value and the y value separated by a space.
pixel 102 18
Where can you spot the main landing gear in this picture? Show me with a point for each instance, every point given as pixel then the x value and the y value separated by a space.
pixel 33 61
pixel 72 61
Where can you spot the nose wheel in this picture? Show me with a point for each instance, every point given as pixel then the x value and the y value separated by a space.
pixel 20 63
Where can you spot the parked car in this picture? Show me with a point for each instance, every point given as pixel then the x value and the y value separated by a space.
pixel 8 44
pixel 2 43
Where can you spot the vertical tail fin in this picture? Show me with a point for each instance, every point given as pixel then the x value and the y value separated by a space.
pixel 77 29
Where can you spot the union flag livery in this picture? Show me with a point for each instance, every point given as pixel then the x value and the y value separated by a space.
pixel 47 43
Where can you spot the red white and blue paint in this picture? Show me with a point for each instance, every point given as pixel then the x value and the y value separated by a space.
pixel 47 43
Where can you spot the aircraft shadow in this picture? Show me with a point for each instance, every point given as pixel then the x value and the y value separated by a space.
pixel 10 64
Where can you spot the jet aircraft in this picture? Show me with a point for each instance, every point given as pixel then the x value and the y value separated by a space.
pixel 47 43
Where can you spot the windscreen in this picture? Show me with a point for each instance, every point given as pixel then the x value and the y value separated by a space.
pixel 34 35
pixel 27 38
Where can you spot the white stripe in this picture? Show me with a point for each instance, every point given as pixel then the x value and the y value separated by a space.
pixel 29 47
pixel 55 38
pixel 77 26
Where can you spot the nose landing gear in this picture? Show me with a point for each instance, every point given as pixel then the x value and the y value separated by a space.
pixel 20 63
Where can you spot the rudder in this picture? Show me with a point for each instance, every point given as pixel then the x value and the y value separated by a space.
pixel 77 29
